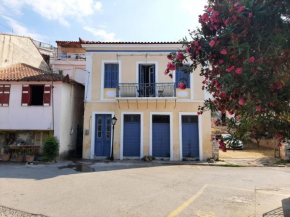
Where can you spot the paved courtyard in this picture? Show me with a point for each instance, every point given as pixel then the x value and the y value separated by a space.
pixel 144 189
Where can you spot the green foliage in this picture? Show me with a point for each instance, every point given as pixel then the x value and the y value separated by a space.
pixel 50 149
pixel 243 47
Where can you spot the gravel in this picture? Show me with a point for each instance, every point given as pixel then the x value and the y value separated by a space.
pixel 7 212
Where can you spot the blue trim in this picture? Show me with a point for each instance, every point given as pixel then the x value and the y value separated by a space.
pixel 130 51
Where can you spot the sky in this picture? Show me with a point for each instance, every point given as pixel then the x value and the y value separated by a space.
pixel 100 20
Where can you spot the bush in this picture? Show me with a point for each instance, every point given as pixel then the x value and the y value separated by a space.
pixel 50 149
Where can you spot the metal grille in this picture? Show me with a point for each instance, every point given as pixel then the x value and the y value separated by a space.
pixel 161 119
pixel 189 119
pixel 146 90
pixel 132 118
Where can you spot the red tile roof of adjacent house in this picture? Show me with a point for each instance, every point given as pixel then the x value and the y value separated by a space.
pixel 24 72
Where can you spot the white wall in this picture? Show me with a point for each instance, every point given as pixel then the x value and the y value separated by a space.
pixel 17 117
pixel 75 69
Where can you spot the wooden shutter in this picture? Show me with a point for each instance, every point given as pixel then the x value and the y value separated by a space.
pixel 25 95
pixel 111 75
pixel 179 75
pixel 1 94
pixel 46 95
pixel 107 83
pixel 6 95
pixel 115 75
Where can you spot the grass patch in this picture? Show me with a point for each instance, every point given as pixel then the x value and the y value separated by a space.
pixel 282 162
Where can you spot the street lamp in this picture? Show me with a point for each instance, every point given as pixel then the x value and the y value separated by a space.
pixel 114 121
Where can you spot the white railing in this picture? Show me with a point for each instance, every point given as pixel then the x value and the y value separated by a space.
pixel 71 56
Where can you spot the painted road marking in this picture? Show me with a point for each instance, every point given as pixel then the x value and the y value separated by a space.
pixel 205 214
pixel 188 202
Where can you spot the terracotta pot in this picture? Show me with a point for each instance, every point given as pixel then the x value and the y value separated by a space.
pixel 29 158
pixel 14 155
pixel 19 158
pixel 5 157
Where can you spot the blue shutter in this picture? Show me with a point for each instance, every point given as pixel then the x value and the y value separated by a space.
pixel 111 75
pixel 179 75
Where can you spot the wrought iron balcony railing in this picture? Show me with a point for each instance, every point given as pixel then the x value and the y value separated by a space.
pixel 129 90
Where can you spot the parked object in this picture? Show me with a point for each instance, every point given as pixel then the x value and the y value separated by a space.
pixel 50 149
pixel 6 155
pixel 232 143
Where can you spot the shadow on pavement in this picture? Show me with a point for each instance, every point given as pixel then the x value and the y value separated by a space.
pixel 41 171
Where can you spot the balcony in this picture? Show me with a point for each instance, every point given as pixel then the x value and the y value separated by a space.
pixel 146 90
pixel 71 56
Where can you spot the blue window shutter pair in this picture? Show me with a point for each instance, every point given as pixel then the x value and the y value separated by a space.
pixel 111 75
pixel 179 74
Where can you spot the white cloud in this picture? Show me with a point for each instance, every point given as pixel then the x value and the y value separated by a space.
pixel 98 6
pixel 59 10
pixel 107 37
pixel 22 30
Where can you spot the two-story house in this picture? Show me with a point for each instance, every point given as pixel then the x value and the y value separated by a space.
pixel 155 117
pixel 35 104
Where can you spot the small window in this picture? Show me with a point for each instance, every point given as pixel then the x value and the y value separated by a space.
pixel 189 119
pixel 111 75
pixel 182 73
pixel 36 94
pixel 99 128
pixel 132 118
pixel 108 128
pixel 161 118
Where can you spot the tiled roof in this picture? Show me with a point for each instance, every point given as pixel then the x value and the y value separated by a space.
pixel 67 42
pixel 24 72
pixel 100 42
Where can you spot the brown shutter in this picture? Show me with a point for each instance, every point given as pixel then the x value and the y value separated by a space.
pixel 25 95
pixel 6 95
pixel 1 94
pixel 46 95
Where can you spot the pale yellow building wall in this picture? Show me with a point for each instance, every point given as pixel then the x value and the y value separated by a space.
pixel 142 107
pixel 129 71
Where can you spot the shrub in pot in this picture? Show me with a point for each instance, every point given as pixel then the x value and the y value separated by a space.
pixel 6 155
pixel 29 157
pixel 19 156
pixel 50 149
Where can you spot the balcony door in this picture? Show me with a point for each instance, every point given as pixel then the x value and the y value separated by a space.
pixel 146 81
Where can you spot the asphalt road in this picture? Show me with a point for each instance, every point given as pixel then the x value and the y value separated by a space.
pixel 144 189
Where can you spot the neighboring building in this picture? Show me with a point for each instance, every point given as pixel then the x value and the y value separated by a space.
pixel 35 104
pixel 155 118
pixel 47 51
pixel 70 59
pixel 20 49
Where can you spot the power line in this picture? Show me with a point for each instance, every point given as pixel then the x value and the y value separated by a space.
pixel 6 27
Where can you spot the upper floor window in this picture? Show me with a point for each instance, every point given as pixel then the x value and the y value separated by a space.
pixel 4 94
pixel 111 75
pixel 36 95
pixel 179 74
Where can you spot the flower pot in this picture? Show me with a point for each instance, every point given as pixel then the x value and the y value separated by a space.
pixel 19 158
pixel 5 157
pixel 14 155
pixel 29 158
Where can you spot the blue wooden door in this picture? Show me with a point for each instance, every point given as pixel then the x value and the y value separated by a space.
pixel 103 135
pixel 132 135
pixel 161 136
pixel 190 140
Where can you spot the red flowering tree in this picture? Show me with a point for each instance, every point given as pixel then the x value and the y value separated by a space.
pixel 243 47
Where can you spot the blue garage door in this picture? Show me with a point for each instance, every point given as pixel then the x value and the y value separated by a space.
pixel 190 141
pixel 103 135
pixel 131 143
pixel 161 136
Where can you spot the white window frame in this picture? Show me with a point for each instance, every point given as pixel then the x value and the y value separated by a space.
pixel 103 75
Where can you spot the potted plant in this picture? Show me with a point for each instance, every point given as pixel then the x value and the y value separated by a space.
pixel 19 156
pixel 29 156
pixel 6 155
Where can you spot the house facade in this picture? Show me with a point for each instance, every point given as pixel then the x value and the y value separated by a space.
pixel 155 117
pixel 70 59
pixel 35 104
